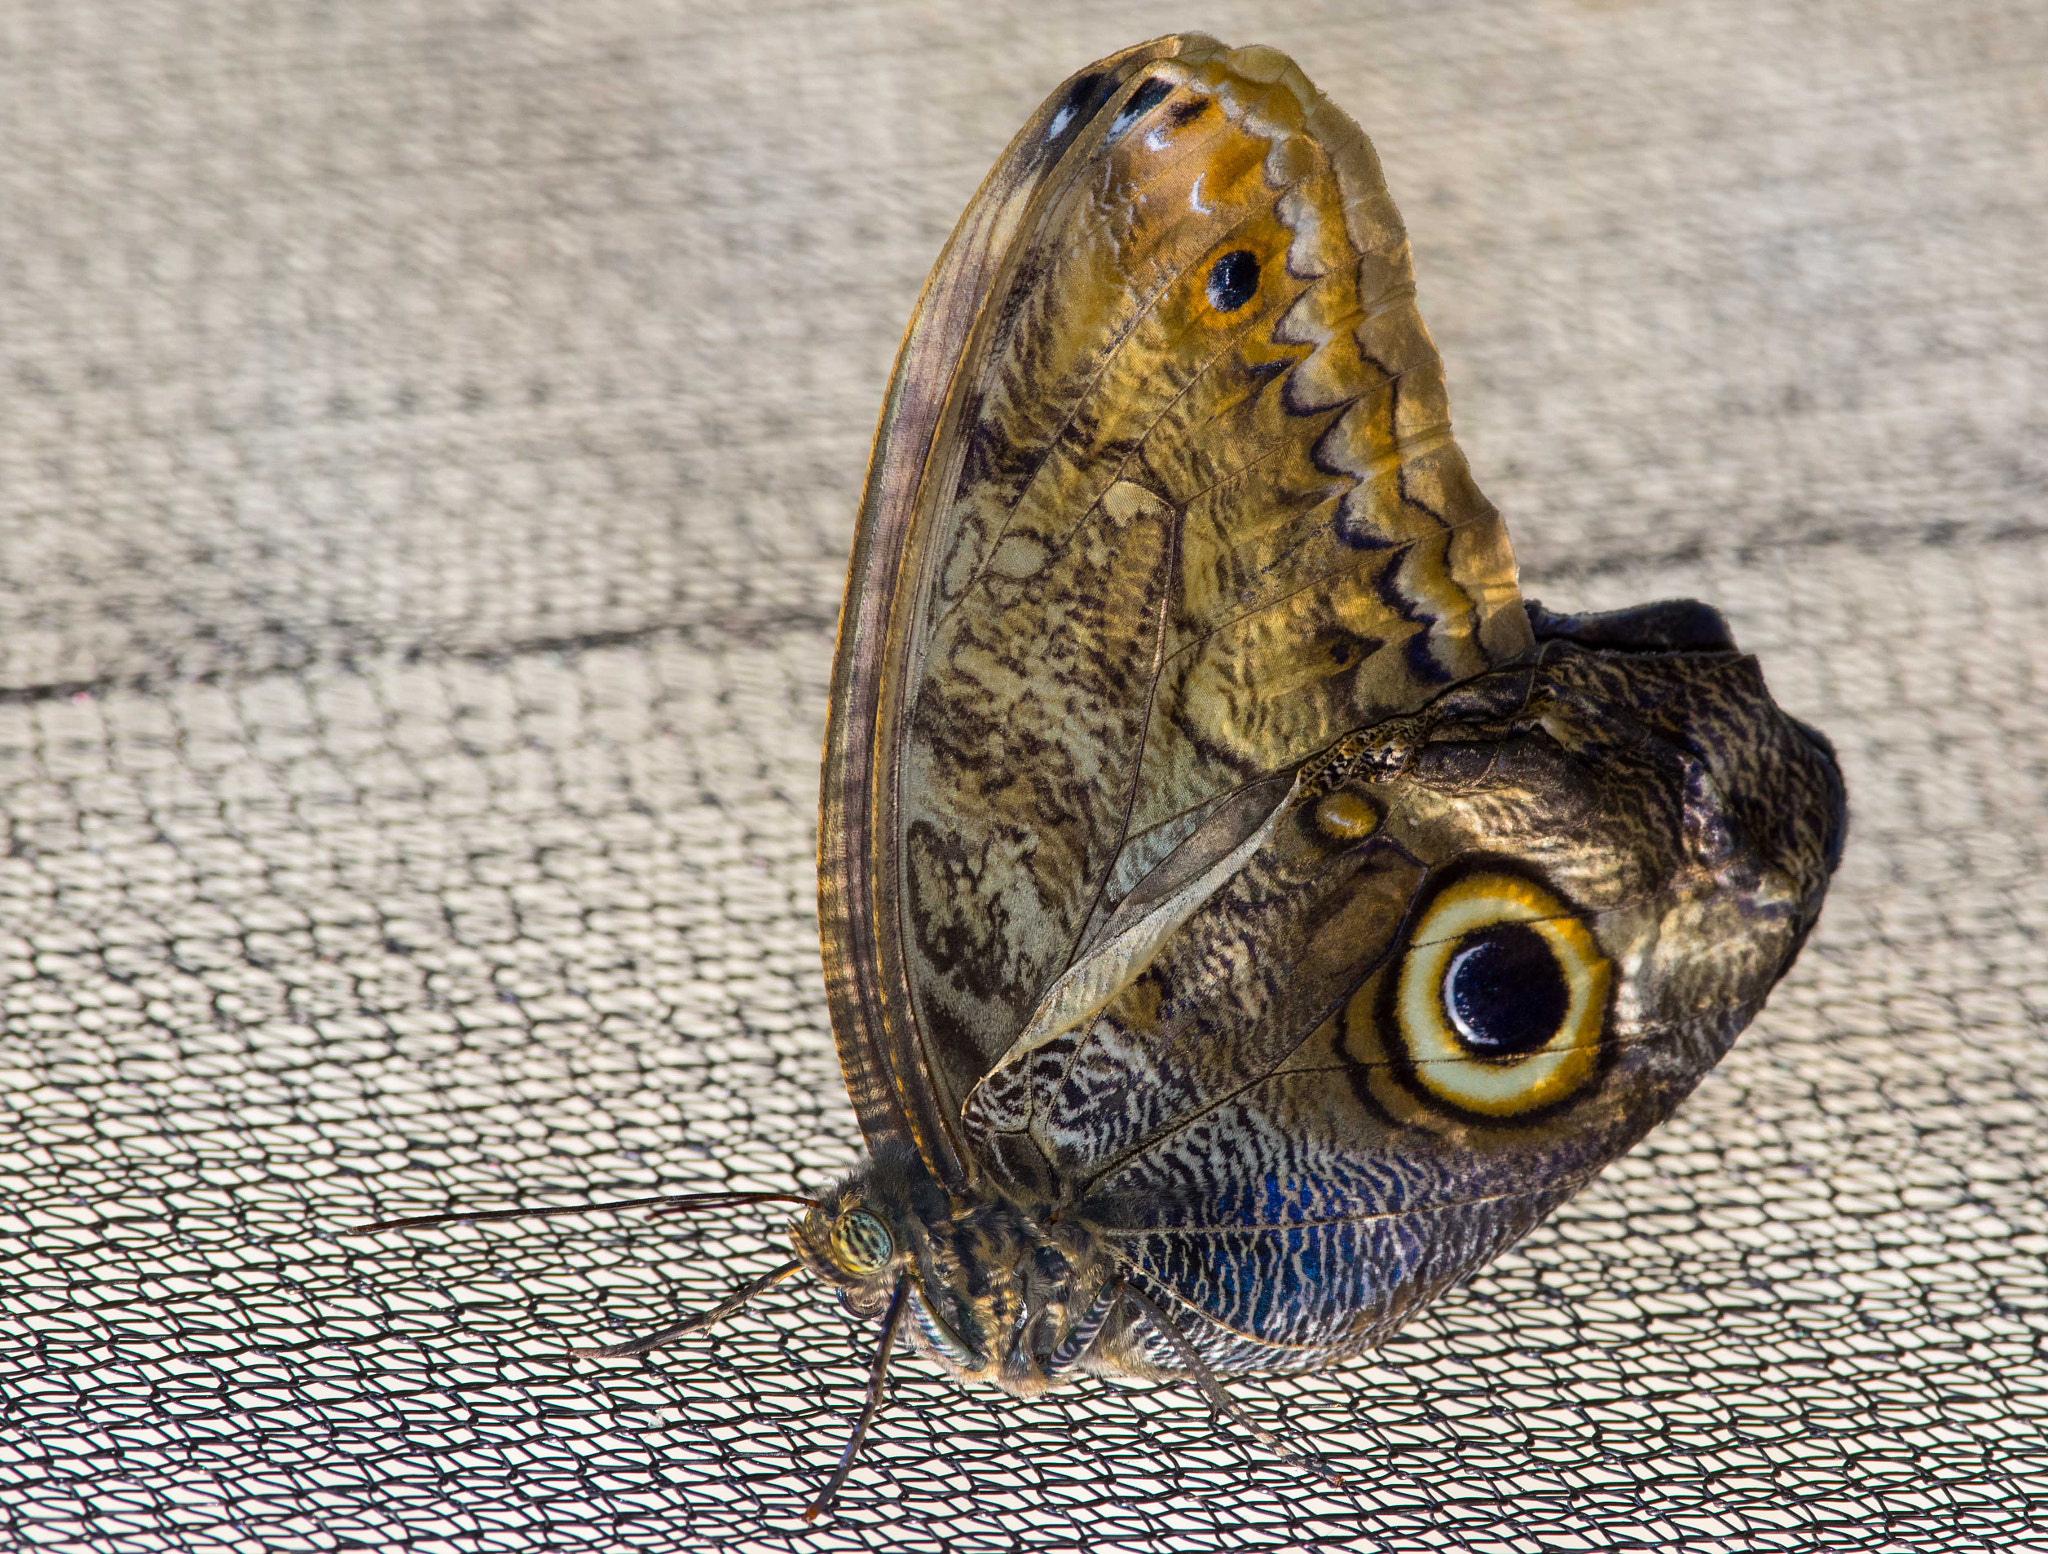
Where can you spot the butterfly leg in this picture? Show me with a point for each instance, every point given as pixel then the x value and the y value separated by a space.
pixel 1076 1344
pixel 878 1372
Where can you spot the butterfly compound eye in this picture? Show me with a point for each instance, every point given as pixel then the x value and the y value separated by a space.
pixel 861 1243
pixel 1501 997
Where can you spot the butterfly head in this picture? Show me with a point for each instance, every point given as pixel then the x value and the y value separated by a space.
pixel 996 1291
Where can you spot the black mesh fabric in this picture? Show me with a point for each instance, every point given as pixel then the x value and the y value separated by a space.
pixel 429 433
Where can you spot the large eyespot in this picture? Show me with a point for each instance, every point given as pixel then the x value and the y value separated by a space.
pixel 860 1242
pixel 1501 996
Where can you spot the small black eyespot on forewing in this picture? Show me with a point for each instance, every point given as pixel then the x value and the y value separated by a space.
pixel 1233 279
pixel 1143 101
pixel 1505 992
pixel 1073 106
pixel 1187 111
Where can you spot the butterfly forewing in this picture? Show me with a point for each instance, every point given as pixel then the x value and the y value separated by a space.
pixel 888 1064
pixel 1164 500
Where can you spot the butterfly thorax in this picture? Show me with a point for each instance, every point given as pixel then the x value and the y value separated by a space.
pixel 998 1290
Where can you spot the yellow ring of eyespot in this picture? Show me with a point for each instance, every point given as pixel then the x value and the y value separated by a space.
pixel 860 1242
pixel 1500 1087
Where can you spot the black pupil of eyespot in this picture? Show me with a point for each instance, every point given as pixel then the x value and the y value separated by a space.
pixel 1505 992
pixel 1232 280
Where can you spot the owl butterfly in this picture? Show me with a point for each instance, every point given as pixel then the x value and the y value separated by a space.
pixel 1244 914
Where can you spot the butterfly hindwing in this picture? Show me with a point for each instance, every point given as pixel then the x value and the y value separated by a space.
pixel 1462 962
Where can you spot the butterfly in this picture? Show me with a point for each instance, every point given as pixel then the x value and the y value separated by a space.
pixel 1244 914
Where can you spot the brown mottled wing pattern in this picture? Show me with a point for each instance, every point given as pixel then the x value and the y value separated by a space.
pixel 1164 499
pixel 1205 1123
pixel 1238 1088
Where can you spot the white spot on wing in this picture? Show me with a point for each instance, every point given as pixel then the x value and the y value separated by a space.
pixel 1195 196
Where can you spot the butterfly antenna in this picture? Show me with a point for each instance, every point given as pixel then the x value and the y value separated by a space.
pixel 702 1319
pixel 880 1369
pixel 675 1203
pixel 1212 1389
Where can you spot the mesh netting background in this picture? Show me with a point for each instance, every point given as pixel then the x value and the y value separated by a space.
pixel 429 434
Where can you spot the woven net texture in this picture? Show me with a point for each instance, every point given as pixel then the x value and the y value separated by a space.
pixel 429 439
